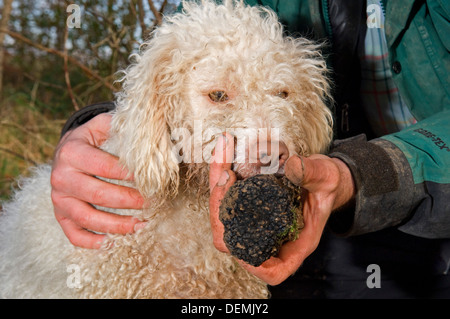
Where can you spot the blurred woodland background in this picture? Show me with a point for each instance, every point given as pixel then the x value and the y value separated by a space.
pixel 52 64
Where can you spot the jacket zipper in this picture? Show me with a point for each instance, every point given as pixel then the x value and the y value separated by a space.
pixel 326 17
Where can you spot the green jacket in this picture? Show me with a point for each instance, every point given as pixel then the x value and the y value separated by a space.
pixel 417 35
pixel 402 179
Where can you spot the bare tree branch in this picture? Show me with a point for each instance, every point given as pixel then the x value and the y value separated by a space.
pixel 156 12
pixel 141 15
pixel 6 11
pixel 66 70
pixel 83 67
pixel 163 6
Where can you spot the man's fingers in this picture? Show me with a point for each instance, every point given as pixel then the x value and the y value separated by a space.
pixel 103 164
pixel 222 159
pixel 86 216
pixel 85 158
pixel 101 193
pixel 227 179
pixel 316 208
pixel 98 129
pixel 77 162
pixel 307 171
pixel 79 236
pixel 295 169
pixel 78 149
pixel 221 177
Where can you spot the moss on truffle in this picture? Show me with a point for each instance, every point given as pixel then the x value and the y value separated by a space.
pixel 259 214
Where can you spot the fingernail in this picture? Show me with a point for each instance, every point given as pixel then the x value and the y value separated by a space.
pixel 139 226
pixel 293 168
pixel 223 178
pixel 225 138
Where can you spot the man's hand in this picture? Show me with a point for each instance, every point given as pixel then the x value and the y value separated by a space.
pixel 328 184
pixel 74 186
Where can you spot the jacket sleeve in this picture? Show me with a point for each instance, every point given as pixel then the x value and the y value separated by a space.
pixel 402 180
pixel 85 114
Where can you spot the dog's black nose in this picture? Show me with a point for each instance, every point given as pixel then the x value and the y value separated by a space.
pixel 272 156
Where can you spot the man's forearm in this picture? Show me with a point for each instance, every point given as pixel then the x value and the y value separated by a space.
pixel 401 180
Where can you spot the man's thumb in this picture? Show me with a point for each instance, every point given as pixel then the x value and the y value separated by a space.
pixel 295 170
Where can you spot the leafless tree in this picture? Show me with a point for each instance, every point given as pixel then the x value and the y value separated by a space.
pixel 6 12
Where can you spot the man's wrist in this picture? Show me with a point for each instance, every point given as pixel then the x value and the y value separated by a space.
pixel 346 187
pixel 85 114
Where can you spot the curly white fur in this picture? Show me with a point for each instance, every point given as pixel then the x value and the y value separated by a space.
pixel 232 48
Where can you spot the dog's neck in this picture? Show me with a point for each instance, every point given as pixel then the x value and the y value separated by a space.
pixel 194 181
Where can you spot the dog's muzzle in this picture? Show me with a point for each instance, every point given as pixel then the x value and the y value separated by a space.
pixel 259 157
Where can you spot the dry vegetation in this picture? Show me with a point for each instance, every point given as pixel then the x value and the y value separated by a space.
pixel 27 137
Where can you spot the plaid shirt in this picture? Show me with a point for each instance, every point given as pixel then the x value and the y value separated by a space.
pixel 385 108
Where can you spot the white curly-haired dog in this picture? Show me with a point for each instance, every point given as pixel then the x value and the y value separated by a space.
pixel 218 67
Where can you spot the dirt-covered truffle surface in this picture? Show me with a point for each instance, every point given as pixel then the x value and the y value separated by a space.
pixel 259 214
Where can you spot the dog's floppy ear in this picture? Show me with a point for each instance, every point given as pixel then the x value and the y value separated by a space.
pixel 140 124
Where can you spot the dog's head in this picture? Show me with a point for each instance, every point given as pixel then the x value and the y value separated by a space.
pixel 216 68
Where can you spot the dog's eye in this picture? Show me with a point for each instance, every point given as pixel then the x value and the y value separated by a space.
pixel 218 96
pixel 282 94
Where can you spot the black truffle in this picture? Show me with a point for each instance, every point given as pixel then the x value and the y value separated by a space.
pixel 259 214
